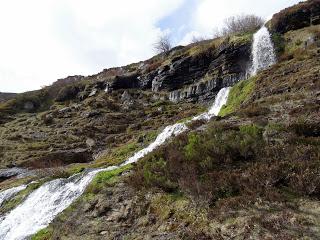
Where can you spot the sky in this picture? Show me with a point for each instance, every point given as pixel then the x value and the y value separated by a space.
pixel 44 40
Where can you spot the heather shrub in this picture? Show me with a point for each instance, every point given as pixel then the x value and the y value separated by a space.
pixel 227 166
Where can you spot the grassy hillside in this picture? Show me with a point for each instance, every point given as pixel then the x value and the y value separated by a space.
pixel 252 173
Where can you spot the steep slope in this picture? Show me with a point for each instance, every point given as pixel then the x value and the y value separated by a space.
pixel 78 119
pixel 250 173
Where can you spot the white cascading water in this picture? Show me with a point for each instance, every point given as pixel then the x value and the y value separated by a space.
pixel 9 193
pixel 45 203
pixel 221 99
pixel 42 205
pixel 263 54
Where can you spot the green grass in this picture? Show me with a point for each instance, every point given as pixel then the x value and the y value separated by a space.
pixel 120 154
pixel 239 93
pixel 106 178
pixel 241 38
pixel 44 234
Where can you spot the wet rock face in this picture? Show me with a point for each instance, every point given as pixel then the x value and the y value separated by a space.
pixel 14 172
pixel 299 16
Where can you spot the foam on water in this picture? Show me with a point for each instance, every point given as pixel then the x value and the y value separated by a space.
pixel 221 99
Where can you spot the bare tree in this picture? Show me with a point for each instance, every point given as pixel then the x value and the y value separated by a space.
pixel 216 33
pixel 163 44
pixel 239 24
pixel 196 39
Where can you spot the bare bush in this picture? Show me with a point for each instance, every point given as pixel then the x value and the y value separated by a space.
pixel 163 44
pixel 196 39
pixel 239 24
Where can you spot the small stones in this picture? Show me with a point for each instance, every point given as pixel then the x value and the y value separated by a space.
pixel 104 233
pixel 101 208
pixel 90 143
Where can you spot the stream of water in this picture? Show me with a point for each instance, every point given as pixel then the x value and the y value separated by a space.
pixel 43 205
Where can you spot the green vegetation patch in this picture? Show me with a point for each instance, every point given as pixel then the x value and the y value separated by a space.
pixel 241 38
pixel 229 166
pixel 239 93
pixel 34 101
pixel 120 154
pixel 44 234
pixel 106 178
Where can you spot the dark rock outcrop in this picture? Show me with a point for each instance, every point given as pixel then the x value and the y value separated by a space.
pixel 223 68
pixel 61 158
pixel 125 81
pixel 298 16
pixel 68 93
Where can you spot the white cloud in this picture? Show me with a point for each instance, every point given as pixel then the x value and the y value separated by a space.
pixel 210 14
pixel 42 40
pixel 188 37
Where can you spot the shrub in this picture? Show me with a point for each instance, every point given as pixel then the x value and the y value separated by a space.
pixel 295 17
pixel 68 93
pixel 253 110
pixel 279 43
pixel 228 166
pixel 193 144
pixel 239 25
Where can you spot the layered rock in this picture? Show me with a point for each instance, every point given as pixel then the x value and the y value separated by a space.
pixel 226 66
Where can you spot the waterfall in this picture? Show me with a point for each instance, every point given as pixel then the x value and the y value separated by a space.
pixel 221 99
pixel 42 205
pixel 45 203
pixel 9 193
pixel 168 132
pixel 263 54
